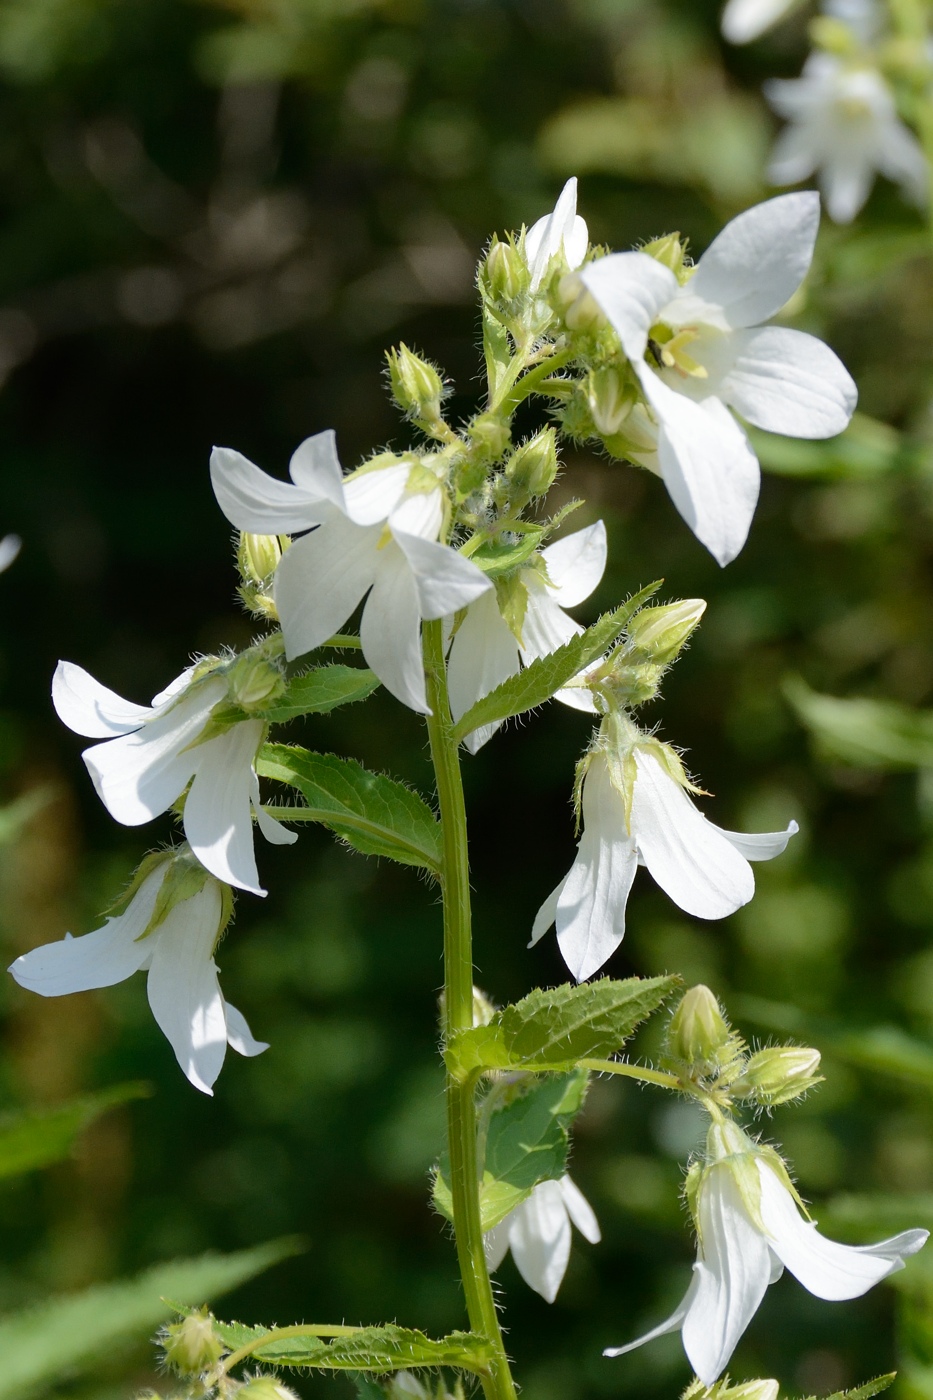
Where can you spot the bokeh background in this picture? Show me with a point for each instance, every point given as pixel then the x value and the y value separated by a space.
pixel 215 217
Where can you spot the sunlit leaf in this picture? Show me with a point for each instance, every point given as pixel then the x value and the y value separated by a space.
pixel 321 690
pixel 378 1349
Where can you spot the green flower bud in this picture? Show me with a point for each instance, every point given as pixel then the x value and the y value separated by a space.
pixel 255 682
pixel 265 1388
pixel 670 251
pixel 581 311
pixel 258 556
pixel 779 1073
pixel 416 385
pixel 751 1390
pixel 505 272
pixel 662 631
pixel 610 397
pixel 532 467
pixel 699 1033
pixel 191 1346
pixel 490 435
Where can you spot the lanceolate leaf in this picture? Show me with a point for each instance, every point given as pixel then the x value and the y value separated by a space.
pixel 539 681
pixel 377 1349
pixel 864 732
pixel 29 1141
pixel 375 814
pixel 321 690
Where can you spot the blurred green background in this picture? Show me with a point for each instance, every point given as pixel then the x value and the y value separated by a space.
pixel 215 217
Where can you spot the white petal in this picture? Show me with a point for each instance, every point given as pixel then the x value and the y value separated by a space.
pixel 91 709
pixel 483 654
pixel 372 496
pixel 544 239
pixel 239 1036
pixel 759 845
pixel 184 992
pixel 320 581
pixel 686 855
pixel 846 184
pixel 759 260
pixel 418 513
pixel 744 20
pixel 173 689
pixel 271 828
pixel 315 468
pixel 496 1243
pixel 901 158
pixel 576 564
pixel 631 288
pixel 539 1237
pixel 254 501
pixel 545 626
pixel 445 580
pixel 827 1269
pixel 787 382
pixel 734 1272
pixel 140 775
pixel 546 914
pixel 99 959
pixel 580 1210
pixel 576 242
pixel 794 155
pixel 670 1324
pixel 10 547
pixel 218 811
pixel 390 630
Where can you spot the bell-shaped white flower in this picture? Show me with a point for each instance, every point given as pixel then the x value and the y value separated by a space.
pixel 378 536
pixel 485 651
pixel 750 1229
pixel 563 230
pixel 699 349
pixel 152 753
pixel 174 940
pixel 648 819
pixel 538 1233
pixel 843 125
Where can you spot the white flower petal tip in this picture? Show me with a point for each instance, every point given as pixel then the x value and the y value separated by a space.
pixel 89 708
pixel 263 505
pixel 10 547
pixel 746 20
pixel 539 1235
pixel 561 229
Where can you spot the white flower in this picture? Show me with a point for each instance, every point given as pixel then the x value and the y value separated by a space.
pixel 561 230
pixel 10 547
pixel 538 1233
pixel 484 651
pixel 844 125
pixel 177 950
pixel 745 20
pixel 703 869
pixel 745 1245
pixel 153 752
pixel 716 355
pixel 378 535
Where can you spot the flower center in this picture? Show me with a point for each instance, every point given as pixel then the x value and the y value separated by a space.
pixel 668 349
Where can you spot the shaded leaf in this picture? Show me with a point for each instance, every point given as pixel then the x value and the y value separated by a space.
pixel 377 1349
pixel 866 733
pixel 864 450
pixel 29 1141
pixel 321 690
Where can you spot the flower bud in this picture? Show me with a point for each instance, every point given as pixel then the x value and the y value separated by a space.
pixel 699 1033
pixel 532 467
pixel 255 682
pixel 265 1388
pixel 610 398
pixel 751 1390
pixel 662 631
pixel 416 384
pixel 489 433
pixel 192 1346
pixel 258 556
pixel 506 272
pixel 581 311
pixel 779 1073
pixel 670 251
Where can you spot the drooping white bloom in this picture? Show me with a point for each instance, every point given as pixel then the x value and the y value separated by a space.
pixel 485 652
pixel 703 869
pixel 745 20
pixel 176 950
pixel 538 1233
pixel 709 352
pixel 152 753
pixel 378 535
pixel 563 229
pixel 843 125
pixel 750 1229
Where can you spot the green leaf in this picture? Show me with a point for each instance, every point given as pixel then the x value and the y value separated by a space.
pixel 538 682
pixel 497 349
pixel 374 813
pixel 863 1392
pixel 321 690
pixel 865 450
pixel 58 1338
pixel 29 1141
pixel 20 812
pixel 557 1028
pixel 495 557
pixel 526 1142
pixel 866 733
pixel 377 1349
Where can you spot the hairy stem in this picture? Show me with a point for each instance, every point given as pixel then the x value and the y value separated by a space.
pixel 458 1015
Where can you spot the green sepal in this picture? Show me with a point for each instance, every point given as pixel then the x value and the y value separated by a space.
pixel 376 1349
pixel 371 812
pixel 537 683
pixel 495 557
pixel 512 601
pixel 321 690
pixel 557 1028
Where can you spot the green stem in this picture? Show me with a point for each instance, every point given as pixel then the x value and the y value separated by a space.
pixel 458 1015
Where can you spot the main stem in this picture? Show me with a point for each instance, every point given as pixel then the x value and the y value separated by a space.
pixel 458 1015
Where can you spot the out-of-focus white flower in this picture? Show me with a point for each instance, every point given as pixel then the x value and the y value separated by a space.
pixel 175 943
pixel 538 1233
pixel 561 230
pixel 485 652
pixel 699 349
pixel 10 547
pixel 745 20
pixel 843 126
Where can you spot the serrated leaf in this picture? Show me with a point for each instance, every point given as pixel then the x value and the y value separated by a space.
pixel 374 813
pixel 29 1141
pixel 536 684
pixel 321 690
pixel 863 1392
pixel 376 1349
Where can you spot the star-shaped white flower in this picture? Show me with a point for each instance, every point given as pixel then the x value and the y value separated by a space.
pixel 703 869
pixel 742 1250
pixel 184 991
pixel 152 753
pixel 562 230
pixel 378 535
pixel 538 1233
pixel 485 652
pixel 709 352
pixel 843 124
